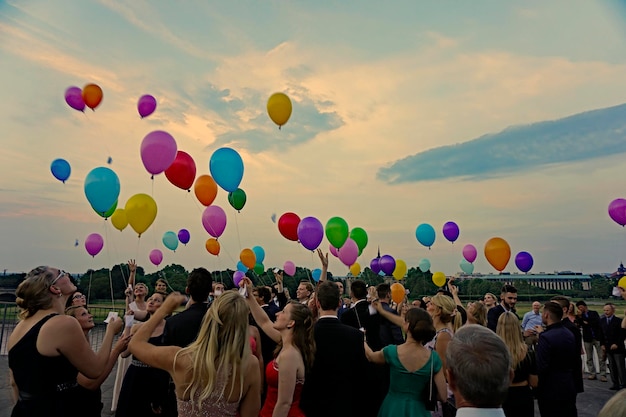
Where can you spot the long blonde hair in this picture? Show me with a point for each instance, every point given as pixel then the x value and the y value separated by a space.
pixel 222 347
pixel 510 332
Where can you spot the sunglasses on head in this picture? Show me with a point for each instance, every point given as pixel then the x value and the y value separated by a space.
pixel 62 273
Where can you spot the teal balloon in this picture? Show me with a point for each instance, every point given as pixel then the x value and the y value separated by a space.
pixel 241 267
pixel 337 231
pixel 259 268
pixel 237 199
pixel 466 267
pixel 425 234
pixel 259 252
pixel 107 213
pixel 424 265
pixel 226 168
pixel 170 240
pixel 102 188
pixel 359 235
pixel 316 274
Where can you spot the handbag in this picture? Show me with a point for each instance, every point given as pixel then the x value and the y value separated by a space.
pixel 429 395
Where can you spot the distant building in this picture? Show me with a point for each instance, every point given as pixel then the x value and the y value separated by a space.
pixel 563 280
pixel 621 271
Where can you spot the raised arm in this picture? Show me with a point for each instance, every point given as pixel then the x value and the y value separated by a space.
pixel 324 260
pixel 397 320
pixel 94 383
pixel 374 357
pixel 260 316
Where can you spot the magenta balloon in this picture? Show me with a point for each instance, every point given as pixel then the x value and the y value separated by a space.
pixel 524 261
pixel 158 151
pixel 74 98
pixel 146 105
pixel 375 265
pixel 349 252
pixel 310 232
pixel 387 264
pixel 94 244
pixel 156 256
pixel 333 250
pixel 617 211
pixel 214 220
pixel 237 277
pixel 289 268
pixel 451 231
pixel 470 253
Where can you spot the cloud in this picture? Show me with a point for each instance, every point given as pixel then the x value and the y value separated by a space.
pixel 582 136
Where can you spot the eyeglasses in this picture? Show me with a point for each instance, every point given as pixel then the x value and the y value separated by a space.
pixel 62 273
pixel 77 296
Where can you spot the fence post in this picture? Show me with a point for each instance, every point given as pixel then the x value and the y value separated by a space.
pixel 4 320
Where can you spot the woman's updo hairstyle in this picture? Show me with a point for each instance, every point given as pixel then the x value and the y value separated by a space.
pixel 420 325
pixel 33 293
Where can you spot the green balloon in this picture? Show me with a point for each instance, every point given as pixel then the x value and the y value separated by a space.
pixel 360 237
pixel 237 199
pixel 337 231
pixel 259 269
pixel 108 213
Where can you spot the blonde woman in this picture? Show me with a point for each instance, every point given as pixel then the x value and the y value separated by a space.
pixel 216 375
pixel 519 401
pixel 477 314
pixel 490 300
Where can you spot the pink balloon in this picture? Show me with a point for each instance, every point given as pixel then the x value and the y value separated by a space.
pixel 333 250
pixel 94 244
pixel 470 253
pixel 74 98
pixel 214 220
pixel 237 277
pixel 617 211
pixel 349 252
pixel 158 151
pixel 146 105
pixel 289 268
pixel 156 256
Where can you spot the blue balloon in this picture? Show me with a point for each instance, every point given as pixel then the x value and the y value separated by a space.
pixel 425 234
pixel 316 274
pixel 102 187
pixel 241 267
pixel 226 168
pixel 170 240
pixel 424 265
pixel 60 169
pixel 259 252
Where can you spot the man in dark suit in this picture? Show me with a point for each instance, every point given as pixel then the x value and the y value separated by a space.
pixel 567 323
pixel 589 321
pixel 390 333
pixel 614 346
pixel 263 296
pixel 508 299
pixel 339 352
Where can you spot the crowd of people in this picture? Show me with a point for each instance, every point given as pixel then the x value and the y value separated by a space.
pixel 254 351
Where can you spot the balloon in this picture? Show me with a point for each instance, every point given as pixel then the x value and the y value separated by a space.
pixel 466 266
pixel 279 108
pixel 333 251
pixel 289 268
pixel 60 169
pixel 397 292
pixel 497 252
pixel 158 151
pixel 184 236
pixel 273 217
pixel 524 261
pixel 622 282
pixel 259 254
pixel 349 252
pixel 400 270
pixel 237 199
pixel 375 265
pixel 214 221
pixel 310 232
pixel 470 253
pixel 92 96
pixel 359 235
pixel 248 258
pixel 94 244
pixel 617 211
pixel 439 279
pixel 182 171
pixel 424 265
pixel 102 187
pixel 226 167
pixel 156 256
pixel 337 232
pixel 259 268
pixel 425 234
pixel 205 189
pixel 146 105
pixel 212 246
pixel 107 213
pixel 241 267
pixel 74 98
pixel 288 226
pixel 387 264
pixel 316 274
pixel 355 269
pixel 119 220
pixel 237 277
pixel 170 240
pixel 451 231
pixel 141 210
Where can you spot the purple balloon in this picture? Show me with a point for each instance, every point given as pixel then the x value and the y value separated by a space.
pixel 524 261
pixel 214 220
pixel 375 265
pixel 470 253
pixel 156 256
pixel 237 277
pixel 451 231
pixel 349 252
pixel 184 236
pixel 617 211
pixel 94 244
pixel 158 151
pixel 310 232
pixel 146 105
pixel 74 98
pixel 387 264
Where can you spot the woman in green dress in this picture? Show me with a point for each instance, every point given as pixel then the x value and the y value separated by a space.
pixel 410 367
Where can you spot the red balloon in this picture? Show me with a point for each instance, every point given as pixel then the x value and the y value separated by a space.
pixel 182 172
pixel 288 226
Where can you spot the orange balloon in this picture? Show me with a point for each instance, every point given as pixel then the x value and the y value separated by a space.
pixel 92 96
pixel 248 258
pixel 213 246
pixel 497 252
pixel 205 189
pixel 397 292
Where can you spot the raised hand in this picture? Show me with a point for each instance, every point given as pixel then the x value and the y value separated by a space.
pixel 323 258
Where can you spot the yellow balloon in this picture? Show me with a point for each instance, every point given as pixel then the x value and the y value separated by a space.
pixel 141 210
pixel 279 108
pixel 397 292
pixel 439 279
pixel 119 220
pixel 355 269
pixel 400 270
pixel 622 283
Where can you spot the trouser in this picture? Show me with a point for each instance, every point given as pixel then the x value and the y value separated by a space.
pixel 559 406
pixel 589 347
pixel 618 368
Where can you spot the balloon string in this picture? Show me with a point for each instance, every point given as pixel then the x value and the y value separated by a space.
pixel 89 288
pixel 238 236
pixel 106 240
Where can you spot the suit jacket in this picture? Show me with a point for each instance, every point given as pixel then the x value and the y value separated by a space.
pixel 578 370
pixel 591 326
pixel 359 316
pixel 267 344
pixel 181 329
pixel 557 357
pixel 390 333
pixel 613 334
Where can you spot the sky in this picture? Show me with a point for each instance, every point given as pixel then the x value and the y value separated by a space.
pixel 403 113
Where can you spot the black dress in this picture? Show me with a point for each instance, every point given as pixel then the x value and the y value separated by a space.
pixel 520 401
